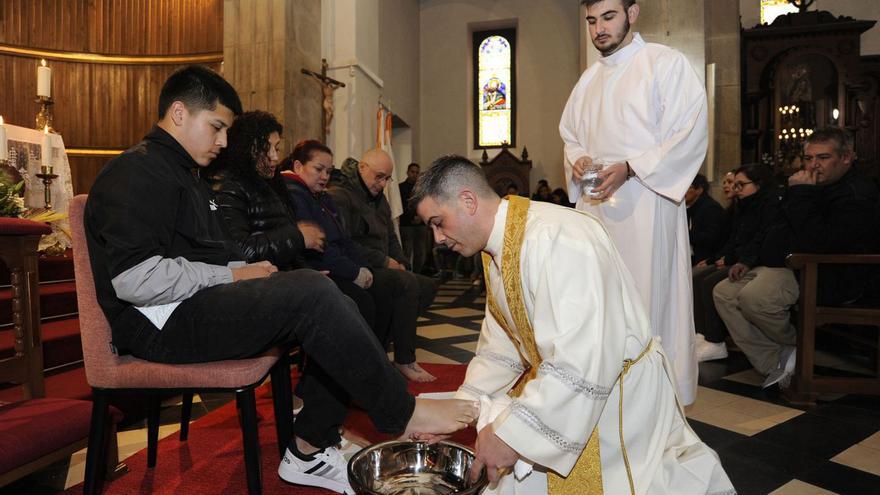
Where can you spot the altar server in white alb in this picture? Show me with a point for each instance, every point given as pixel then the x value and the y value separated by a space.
pixel 641 110
pixel 575 393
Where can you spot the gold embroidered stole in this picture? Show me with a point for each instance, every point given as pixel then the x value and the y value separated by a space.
pixel 586 476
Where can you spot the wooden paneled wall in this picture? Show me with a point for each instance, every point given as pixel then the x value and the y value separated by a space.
pixel 100 104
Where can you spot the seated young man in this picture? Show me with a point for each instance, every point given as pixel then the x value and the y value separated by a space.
pixel 175 289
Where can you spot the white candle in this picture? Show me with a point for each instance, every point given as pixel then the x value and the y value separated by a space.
pixel 4 149
pixel 44 80
pixel 46 152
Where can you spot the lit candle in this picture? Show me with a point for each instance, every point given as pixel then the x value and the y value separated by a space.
pixel 44 80
pixel 4 150
pixel 46 152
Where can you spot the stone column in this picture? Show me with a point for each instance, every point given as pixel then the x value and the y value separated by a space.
pixel 723 48
pixel 265 44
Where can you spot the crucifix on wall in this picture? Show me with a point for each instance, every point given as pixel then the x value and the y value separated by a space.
pixel 328 86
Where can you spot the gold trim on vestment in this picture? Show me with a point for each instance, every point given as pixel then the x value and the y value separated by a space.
pixel 586 475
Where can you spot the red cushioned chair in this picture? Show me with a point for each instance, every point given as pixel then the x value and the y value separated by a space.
pixel 109 374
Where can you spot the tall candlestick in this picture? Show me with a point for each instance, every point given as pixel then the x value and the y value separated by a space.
pixel 4 149
pixel 46 152
pixel 44 80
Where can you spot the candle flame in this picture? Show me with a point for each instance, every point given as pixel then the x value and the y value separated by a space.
pixel 43 62
pixel 46 129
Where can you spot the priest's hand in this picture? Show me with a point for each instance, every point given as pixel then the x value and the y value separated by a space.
pixel 580 166
pixel 493 454
pixel 737 271
pixel 612 176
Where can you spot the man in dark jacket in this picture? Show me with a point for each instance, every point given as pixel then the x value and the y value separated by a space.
pixel 828 208
pixel 366 216
pixel 706 220
pixel 175 288
pixel 413 233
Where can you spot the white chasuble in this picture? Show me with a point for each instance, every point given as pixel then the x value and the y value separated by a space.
pixel 644 104
pixel 586 321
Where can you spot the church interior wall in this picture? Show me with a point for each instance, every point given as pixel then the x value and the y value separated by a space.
pixel 399 69
pixel 547 70
pixel 100 107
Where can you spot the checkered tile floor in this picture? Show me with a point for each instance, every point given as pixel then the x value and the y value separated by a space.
pixel 765 444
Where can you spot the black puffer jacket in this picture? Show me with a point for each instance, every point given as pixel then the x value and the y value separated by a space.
pixel 259 219
pixel 754 215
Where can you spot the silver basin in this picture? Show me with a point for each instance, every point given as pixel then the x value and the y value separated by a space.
pixel 413 468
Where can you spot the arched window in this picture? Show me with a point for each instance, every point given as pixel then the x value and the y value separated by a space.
pixel 494 63
pixel 771 9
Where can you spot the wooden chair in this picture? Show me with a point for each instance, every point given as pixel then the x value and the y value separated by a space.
pixel 111 375
pixel 805 385
pixel 35 432
pixel 18 250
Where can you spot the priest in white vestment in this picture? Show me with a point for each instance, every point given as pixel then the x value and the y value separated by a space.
pixel 641 110
pixel 575 392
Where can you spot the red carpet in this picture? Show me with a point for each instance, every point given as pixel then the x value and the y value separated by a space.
pixel 212 461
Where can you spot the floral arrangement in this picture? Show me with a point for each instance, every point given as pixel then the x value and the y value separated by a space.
pixel 12 205
pixel 11 202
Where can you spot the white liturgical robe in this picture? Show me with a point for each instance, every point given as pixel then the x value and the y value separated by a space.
pixel 645 105
pixel 587 318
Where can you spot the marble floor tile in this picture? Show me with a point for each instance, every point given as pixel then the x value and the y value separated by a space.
pixel 862 457
pixel 797 487
pixel 458 312
pixel 443 330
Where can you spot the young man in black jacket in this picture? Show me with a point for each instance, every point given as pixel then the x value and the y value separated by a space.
pixel 707 220
pixel 828 208
pixel 175 288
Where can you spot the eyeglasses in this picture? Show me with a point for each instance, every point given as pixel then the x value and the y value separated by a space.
pixel 739 185
pixel 380 177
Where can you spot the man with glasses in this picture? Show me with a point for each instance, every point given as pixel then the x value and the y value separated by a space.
pixel 366 217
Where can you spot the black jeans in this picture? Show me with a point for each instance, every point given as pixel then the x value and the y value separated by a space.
pixel 706 316
pixel 400 296
pixel 245 318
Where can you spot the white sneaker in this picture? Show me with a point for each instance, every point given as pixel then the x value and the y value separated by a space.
pixel 784 370
pixel 708 351
pixel 327 470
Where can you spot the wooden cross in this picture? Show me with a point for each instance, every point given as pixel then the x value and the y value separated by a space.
pixel 328 86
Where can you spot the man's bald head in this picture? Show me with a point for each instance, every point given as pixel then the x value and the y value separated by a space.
pixel 376 170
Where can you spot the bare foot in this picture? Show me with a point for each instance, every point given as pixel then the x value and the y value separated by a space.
pixel 354 438
pixel 441 416
pixel 415 373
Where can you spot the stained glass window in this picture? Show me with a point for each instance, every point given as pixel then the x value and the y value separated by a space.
pixel 494 80
pixel 771 9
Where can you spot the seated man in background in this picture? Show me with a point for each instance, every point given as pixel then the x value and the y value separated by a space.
pixel 366 216
pixel 706 220
pixel 828 208
pixel 175 288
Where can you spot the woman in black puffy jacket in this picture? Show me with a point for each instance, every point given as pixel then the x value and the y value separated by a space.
pixel 250 193
pixel 757 204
